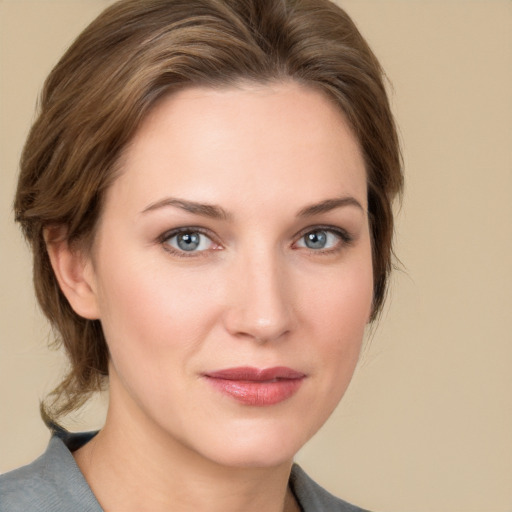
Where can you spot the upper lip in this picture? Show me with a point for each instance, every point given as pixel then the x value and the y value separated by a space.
pixel 248 373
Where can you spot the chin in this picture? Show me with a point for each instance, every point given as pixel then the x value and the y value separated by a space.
pixel 247 457
pixel 257 444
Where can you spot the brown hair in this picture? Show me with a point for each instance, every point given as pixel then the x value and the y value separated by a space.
pixel 135 52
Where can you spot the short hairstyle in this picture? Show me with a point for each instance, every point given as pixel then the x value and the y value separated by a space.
pixel 132 55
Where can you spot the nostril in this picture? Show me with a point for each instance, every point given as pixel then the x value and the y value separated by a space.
pixel 262 307
pixel 244 324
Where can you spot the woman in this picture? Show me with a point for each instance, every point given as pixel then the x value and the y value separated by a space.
pixel 207 192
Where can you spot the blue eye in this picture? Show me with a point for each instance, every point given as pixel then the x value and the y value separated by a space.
pixel 189 241
pixel 316 240
pixel 320 239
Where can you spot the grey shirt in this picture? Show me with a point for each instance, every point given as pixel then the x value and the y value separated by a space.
pixel 54 483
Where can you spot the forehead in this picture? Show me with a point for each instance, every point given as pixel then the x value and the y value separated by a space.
pixel 208 143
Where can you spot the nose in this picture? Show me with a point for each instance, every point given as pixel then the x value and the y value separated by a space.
pixel 260 306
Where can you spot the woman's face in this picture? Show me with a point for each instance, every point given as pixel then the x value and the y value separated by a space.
pixel 232 271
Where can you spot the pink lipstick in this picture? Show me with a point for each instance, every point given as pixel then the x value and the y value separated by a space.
pixel 257 387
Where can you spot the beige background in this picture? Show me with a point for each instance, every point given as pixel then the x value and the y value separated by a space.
pixel 427 423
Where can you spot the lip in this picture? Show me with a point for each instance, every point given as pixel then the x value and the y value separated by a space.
pixel 256 387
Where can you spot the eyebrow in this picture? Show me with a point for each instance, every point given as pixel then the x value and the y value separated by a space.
pixel 328 205
pixel 205 210
pixel 217 212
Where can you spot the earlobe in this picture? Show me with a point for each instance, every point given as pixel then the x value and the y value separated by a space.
pixel 74 273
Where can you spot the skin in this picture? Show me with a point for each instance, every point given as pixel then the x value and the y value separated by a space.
pixel 252 294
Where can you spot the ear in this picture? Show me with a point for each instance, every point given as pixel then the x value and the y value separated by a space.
pixel 74 272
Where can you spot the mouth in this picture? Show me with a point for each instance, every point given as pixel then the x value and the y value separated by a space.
pixel 256 387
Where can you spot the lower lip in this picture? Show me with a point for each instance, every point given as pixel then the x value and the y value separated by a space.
pixel 257 393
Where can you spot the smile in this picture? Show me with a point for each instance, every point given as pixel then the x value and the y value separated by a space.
pixel 257 387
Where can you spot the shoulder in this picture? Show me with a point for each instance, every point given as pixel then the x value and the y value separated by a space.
pixel 52 482
pixel 313 498
pixel 26 488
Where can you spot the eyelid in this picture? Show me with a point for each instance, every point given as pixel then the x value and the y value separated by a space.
pixel 346 238
pixel 164 237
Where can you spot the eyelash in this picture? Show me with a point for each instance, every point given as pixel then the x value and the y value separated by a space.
pixel 165 237
pixel 345 240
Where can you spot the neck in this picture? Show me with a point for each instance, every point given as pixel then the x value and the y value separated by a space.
pixel 142 468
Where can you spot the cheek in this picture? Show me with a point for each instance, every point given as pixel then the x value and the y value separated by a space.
pixel 147 311
pixel 335 311
pixel 154 325
pixel 341 301
pixel 339 308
